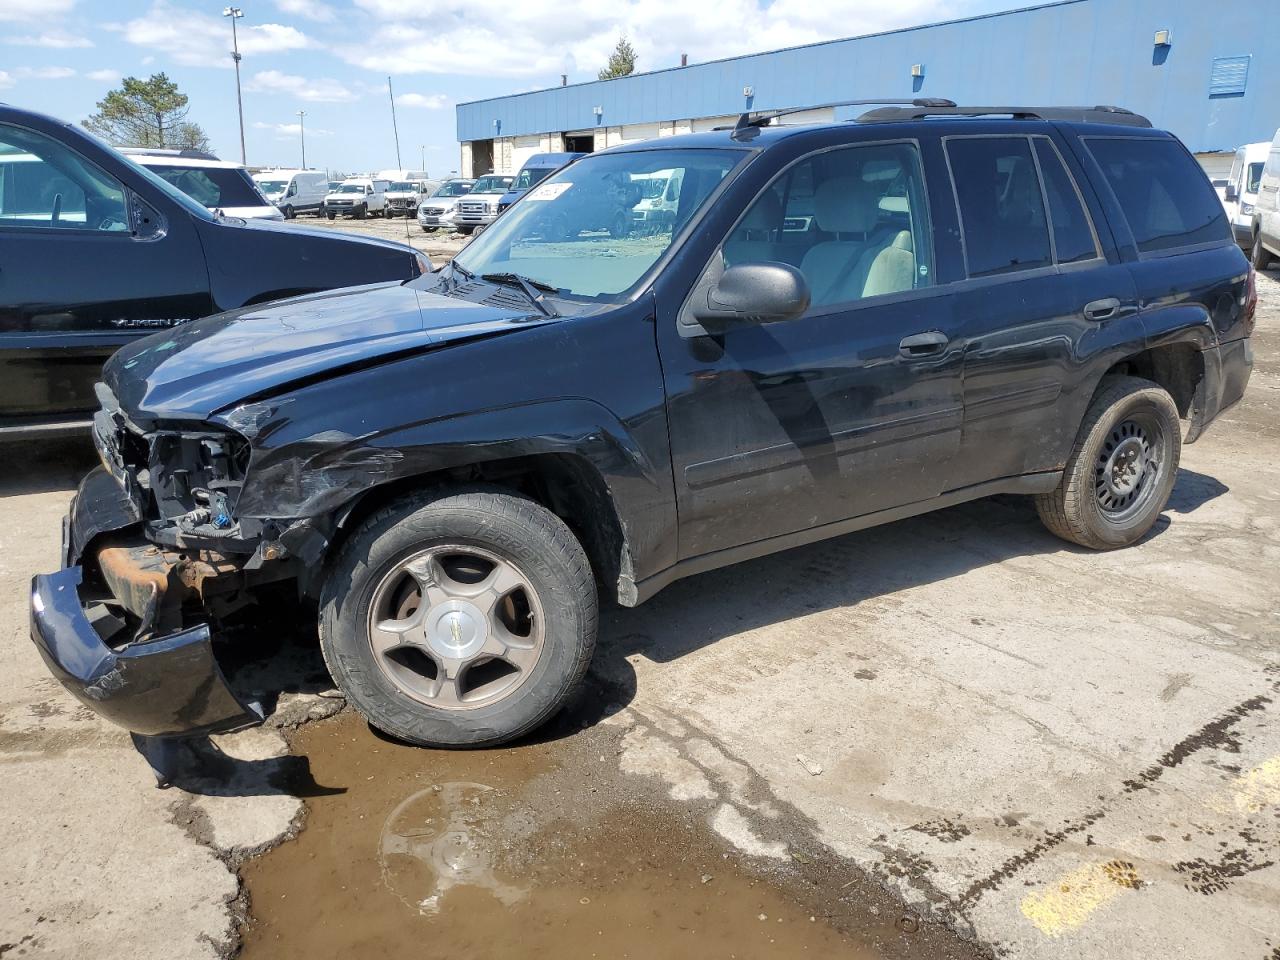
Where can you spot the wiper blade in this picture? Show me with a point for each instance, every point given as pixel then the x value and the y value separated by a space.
pixel 533 289
pixel 517 278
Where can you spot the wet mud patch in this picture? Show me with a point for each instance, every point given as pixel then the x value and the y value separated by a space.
pixel 544 849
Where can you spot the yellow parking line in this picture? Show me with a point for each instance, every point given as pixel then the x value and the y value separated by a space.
pixel 1068 903
pixel 1258 788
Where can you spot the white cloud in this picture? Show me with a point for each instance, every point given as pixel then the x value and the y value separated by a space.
pixel 104 76
pixel 308 10
pixel 550 37
pixel 289 131
pixel 199 40
pixel 321 90
pixel 5 80
pixel 44 73
pixel 53 39
pixel 426 101
pixel 34 9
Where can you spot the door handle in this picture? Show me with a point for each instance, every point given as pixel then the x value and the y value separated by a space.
pixel 1107 308
pixel 928 344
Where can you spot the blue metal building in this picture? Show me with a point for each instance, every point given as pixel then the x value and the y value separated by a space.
pixel 1210 72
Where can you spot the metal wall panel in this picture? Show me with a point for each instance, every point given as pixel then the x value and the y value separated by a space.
pixel 1070 52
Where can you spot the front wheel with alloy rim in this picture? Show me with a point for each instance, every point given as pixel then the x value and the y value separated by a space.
pixel 1121 470
pixel 459 618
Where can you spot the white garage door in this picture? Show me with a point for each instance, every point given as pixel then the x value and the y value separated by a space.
pixel 637 131
pixel 522 148
pixel 710 123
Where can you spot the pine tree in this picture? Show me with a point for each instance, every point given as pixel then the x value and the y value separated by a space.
pixel 147 113
pixel 622 62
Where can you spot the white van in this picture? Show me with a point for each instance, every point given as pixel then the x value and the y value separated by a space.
pixel 294 191
pixel 1240 190
pixel 1266 211
pixel 218 184
pixel 358 196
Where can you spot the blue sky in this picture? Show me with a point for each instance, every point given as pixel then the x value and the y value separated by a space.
pixel 331 58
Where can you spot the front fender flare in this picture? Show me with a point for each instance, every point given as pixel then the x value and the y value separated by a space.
pixel 316 477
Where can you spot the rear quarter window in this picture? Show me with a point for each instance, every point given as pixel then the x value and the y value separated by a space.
pixel 1164 194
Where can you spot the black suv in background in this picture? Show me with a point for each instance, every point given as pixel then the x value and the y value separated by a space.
pixel 840 325
pixel 96 251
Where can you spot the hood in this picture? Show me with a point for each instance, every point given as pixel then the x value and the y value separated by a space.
pixel 193 371
pixel 287 230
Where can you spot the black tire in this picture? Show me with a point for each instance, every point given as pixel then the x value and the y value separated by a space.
pixel 620 226
pixel 503 523
pixel 288 213
pixel 465 231
pixel 430 229
pixel 361 212
pixel 1261 256
pixel 1130 409
pixel 330 214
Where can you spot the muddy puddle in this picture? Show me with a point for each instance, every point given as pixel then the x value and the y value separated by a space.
pixel 538 850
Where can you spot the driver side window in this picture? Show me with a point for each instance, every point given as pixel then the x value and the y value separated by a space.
pixel 853 220
pixel 46 185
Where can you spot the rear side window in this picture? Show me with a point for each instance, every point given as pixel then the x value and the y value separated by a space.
pixel 1001 208
pixel 1162 191
pixel 1073 239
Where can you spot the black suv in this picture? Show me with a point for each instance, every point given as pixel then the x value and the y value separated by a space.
pixel 841 325
pixel 97 251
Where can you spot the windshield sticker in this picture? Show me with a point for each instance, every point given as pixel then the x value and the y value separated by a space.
pixel 548 191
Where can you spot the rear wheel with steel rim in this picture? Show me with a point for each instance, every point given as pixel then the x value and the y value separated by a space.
pixel 1121 470
pixel 459 619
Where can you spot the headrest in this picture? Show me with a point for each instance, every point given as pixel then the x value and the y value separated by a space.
pixel 903 241
pixel 765 213
pixel 846 205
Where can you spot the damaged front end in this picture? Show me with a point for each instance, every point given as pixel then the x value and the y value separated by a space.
pixel 152 556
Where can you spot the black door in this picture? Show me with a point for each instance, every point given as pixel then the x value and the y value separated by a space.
pixel 85 266
pixel 1040 287
pixel 853 407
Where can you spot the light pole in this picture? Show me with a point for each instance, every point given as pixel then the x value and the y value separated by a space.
pixel 235 13
pixel 302 132
pixel 424 156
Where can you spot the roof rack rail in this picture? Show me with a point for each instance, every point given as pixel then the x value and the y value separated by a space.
pixel 748 122
pixel 1098 114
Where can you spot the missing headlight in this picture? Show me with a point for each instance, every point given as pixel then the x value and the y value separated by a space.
pixel 196 478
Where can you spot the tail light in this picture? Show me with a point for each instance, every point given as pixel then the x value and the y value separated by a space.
pixel 1250 301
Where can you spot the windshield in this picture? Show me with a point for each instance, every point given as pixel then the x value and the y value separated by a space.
pixel 454 188
pixel 492 184
pixel 215 187
pixel 351 188
pixel 402 186
pixel 578 231
pixel 1253 177
pixel 273 186
pixel 530 176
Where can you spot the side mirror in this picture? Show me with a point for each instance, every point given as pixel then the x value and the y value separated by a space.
pixel 755 293
pixel 1231 192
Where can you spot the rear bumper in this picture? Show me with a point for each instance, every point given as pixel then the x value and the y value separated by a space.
pixel 170 686
pixel 1227 368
